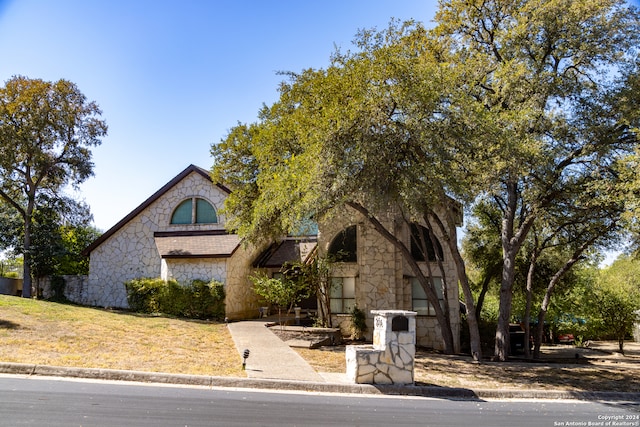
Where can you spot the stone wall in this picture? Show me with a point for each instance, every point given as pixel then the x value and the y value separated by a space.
pixel 241 302
pixel 188 270
pixel 75 288
pixel 131 253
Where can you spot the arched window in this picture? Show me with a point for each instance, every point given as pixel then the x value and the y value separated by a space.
pixel 420 240
pixel 344 247
pixel 194 211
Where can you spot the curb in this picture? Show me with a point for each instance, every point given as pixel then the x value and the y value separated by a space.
pixel 292 385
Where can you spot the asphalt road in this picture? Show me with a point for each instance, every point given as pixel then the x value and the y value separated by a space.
pixel 62 402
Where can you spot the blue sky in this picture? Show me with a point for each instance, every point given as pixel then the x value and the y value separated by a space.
pixel 173 77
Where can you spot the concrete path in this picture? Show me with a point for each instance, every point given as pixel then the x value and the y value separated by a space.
pixel 270 357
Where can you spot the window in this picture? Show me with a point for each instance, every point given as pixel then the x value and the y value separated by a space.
pixel 205 213
pixel 343 294
pixel 183 213
pixel 344 247
pixel 420 239
pixel 419 297
pixel 194 211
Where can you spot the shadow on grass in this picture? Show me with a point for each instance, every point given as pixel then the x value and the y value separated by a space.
pixel 7 324
pixel 578 376
pixel 127 312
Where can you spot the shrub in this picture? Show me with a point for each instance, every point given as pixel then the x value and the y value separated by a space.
pixel 143 294
pixel 358 323
pixel 198 300
pixel 173 299
pixel 205 300
pixel 58 285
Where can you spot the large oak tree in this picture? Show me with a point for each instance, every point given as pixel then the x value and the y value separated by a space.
pixel 355 134
pixel 46 132
pixel 538 103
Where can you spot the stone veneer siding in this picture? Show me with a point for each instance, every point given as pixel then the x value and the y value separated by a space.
pixel 241 300
pixel 131 253
pixel 390 360
pixel 187 270
pixel 382 277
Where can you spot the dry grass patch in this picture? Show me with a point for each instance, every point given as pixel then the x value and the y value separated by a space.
pixel 459 372
pixel 41 332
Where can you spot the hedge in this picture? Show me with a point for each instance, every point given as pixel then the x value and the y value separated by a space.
pixel 197 300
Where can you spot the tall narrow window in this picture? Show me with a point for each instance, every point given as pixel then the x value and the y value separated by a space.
pixel 421 244
pixel 344 247
pixel 343 294
pixel 194 211
pixel 419 297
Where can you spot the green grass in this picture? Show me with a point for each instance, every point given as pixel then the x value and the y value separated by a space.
pixel 48 333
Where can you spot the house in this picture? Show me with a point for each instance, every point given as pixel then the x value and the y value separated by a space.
pixel 372 274
pixel 178 233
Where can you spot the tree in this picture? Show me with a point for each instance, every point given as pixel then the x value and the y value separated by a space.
pixel 362 117
pixel 538 103
pixel 586 218
pixel 281 292
pixel 46 131
pixel 615 299
pixel 483 251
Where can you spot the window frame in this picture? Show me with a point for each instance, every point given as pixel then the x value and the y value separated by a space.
pixel 427 308
pixel 194 202
pixel 338 299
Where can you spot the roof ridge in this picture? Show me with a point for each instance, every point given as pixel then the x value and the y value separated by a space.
pixel 155 196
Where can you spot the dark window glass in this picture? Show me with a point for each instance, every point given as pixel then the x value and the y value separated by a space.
pixel 344 246
pixel 420 240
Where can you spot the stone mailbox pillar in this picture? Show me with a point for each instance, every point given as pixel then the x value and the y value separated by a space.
pixel 390 360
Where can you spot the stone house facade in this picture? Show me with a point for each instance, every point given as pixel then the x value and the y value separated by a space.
pixel 178 233
pixel 376 276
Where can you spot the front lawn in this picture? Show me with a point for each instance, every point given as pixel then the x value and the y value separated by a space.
pixel 47 333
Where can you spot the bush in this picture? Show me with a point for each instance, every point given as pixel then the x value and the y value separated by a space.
pixel 204 300
pixel 143 294
pixel 198 300
pixel 58 285
pixel 358 323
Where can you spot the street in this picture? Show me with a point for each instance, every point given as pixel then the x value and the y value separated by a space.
pixel 60 402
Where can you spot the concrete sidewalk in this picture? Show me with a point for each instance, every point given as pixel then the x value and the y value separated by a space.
pixel 270 357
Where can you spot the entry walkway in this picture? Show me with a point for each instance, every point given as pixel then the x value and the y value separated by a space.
pixel 270 357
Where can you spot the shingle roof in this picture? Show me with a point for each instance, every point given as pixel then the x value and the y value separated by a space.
pixel 196 245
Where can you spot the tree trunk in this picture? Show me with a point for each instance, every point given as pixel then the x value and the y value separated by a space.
pixel 502 341
pixel 511 242
pixel 527 311
pixel 26 276
pixel 472 316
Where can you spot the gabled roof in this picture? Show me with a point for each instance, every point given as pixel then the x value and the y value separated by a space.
pixel 149 201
